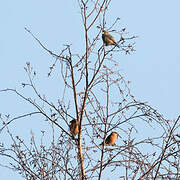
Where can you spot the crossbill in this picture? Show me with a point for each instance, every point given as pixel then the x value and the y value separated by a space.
pixel 111 139
pixel 108 39
pixel 74 127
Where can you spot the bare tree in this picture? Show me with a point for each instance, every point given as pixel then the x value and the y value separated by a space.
pixel 97 98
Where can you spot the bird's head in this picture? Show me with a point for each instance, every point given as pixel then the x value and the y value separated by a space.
pixel 73 121
pixel 115 134
pixel 105 32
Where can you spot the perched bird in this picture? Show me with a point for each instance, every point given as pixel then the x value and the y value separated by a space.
pixel 111 139
pixel 108 39
pixel 74 127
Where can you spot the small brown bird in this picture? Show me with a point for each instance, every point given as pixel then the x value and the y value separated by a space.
pixel 111 139
pixel 108 39
pixel 74 127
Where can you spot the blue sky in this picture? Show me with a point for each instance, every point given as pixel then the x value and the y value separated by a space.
pixel 153 69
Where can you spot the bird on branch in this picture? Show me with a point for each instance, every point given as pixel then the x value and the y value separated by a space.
pixel 108 39
pixel 74 127
pixel 111 139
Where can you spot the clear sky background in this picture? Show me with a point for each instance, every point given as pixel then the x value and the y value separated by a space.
pixel 154 68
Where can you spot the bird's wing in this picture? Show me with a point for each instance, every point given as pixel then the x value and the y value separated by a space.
pixel 109 36
pixel 107 141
